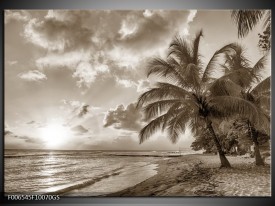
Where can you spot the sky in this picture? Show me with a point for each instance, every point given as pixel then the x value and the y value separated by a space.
pixel 72 78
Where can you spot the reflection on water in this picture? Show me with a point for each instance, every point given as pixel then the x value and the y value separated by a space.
pixel 48 172
pixel 73 172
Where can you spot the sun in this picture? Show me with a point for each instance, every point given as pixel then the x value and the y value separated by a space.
pixel 54 135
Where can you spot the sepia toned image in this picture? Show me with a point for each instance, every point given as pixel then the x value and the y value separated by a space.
pixel 128 103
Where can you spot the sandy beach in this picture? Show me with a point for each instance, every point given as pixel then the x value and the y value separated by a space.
pixel 200 175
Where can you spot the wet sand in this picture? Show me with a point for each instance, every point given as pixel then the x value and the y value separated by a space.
pixel 201 175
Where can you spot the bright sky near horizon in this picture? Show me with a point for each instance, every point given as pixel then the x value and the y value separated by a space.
pixel 72 77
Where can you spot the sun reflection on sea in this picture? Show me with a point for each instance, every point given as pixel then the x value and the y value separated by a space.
pixel 46 171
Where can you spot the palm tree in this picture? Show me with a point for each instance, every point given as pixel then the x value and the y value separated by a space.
pixel 259 96
pixel 203 140
pixel 238 70
pixel 183 97
pixel 246 20
pixel 240 129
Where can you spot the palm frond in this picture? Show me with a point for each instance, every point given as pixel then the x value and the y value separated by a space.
pixel 185 70
pixel 177 125
pixel 196 43
pixel 224 86
pixel 246 20
pixel 265 125
pixel 166 69
pixel 180 48
pixel 156 108
pixel 213 63
pixel 266 93
pixel 237 58
pixel 225 68
pixel 163 90
pixel 192 77
pixel 259 67
pixel 263 102
pixel 151 128
pixel 173 88
pixel 226 106
pixel 242 77
pixel 267 19
pixel 263 87
pixel 176 109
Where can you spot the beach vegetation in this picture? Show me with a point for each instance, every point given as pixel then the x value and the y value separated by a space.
pixel 247 20
pixel 238 69
pixel 189 95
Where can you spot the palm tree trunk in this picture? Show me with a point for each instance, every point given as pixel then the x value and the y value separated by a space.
pixel 224 161
pixel 254 136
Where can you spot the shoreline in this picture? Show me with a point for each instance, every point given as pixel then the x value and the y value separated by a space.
pixel 200 175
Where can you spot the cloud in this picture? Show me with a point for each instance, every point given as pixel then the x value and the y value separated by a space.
pixel 79 130
pixel 18 15
pixel 85 74
pixel 147 13
pixel 91 43
pixel 34 124
pixel 85 66
pixel 31 122
pixel 75 109
pixel 191 16
pixel 84 110
pixel 128 27
pixel 132 142
pixel 143 86
pixel 73 103
pixel 58 33
pixel 14 141
pixel 184 30
pixel 124 76
pixel 126 83
pixel 69 59
pixel 119 140
pixel 22 142
pixel 7 132
pixel 127 59
pixel 7 129
pixel 78 113
pixel 153 29
pixel 32 75
pixel 11 63
pixel 129 118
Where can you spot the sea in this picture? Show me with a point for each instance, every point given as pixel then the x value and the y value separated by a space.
pixel 77 173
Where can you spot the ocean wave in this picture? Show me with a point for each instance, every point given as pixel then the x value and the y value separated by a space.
pixel 48 154
pixel 67 188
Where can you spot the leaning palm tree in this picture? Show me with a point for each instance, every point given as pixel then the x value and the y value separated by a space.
pixel 237 69
pixel 260 97
pixel 183 97
pixel 246 20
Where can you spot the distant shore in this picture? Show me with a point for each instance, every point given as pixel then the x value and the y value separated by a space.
pixel 200 175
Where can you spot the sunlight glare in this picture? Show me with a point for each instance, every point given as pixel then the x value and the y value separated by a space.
pixel 54 135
